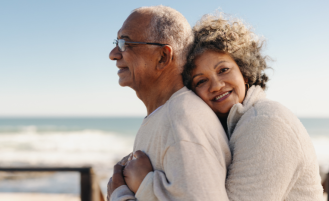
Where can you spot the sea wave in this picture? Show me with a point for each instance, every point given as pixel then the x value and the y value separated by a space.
pixel 74 148
pixel 30 147
pixel 321 146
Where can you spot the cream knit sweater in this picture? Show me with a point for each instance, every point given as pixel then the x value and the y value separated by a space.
pixel 273 156
pixel 188 149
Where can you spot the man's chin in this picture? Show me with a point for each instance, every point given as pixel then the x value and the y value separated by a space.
pixel 124 83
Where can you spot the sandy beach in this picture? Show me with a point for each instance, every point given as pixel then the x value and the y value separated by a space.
pixel 37 197
pixel 50 197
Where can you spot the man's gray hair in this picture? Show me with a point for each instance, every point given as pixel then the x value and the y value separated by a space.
pixel 168 26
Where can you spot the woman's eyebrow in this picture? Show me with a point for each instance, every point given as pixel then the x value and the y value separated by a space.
pixel 218 64
pixel 196 75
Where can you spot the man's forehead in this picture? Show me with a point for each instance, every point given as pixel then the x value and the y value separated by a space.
pixel 125 34
pixel 135 26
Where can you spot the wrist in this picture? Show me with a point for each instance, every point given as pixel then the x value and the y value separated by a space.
pixel 145 186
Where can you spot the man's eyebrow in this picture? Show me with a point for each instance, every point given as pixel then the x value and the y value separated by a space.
pixel 124 36
pixel 197 75
pixel 218 64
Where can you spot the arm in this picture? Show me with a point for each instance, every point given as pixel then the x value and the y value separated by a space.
pixel 266 159
pixel 190 173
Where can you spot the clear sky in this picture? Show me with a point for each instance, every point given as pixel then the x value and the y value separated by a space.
pixel 54 54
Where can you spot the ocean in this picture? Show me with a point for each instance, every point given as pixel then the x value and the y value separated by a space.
pixel 96 142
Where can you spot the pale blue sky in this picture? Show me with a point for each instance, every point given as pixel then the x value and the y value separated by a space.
pixel 54 54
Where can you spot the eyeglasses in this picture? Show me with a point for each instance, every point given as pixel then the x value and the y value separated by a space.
pixel 121 43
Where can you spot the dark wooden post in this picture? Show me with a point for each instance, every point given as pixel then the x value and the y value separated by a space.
pixel 89 188
pixel 327 186
pixel 85 185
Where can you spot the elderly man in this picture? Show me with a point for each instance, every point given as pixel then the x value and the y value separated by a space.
pixel 181 135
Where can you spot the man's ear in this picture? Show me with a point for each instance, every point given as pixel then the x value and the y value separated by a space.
pixel 166 57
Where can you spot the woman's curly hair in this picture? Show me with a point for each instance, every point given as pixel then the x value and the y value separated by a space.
pixel 232 36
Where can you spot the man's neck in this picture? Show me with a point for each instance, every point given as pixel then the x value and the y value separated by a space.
pixel 160 92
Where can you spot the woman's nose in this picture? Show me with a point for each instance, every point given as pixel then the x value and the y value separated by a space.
pixel 216 85
pixel 115 54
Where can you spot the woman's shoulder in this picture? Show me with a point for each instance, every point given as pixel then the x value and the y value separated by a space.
pixel 267 112
pixel 256 104
pixel 271 126
pixel 269 119
pixel 271 109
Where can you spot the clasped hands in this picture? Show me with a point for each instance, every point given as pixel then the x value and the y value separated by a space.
pixel 130 171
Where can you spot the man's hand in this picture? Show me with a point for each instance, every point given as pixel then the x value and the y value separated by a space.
pixel 116 180
pixel 136 170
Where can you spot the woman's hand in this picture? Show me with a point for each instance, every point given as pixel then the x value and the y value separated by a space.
pixel 125 159
pixel 136 170
pixel 116 180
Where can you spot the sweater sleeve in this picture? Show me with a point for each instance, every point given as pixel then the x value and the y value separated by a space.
pixel 122 193
pixel 191 173
pixel 267 159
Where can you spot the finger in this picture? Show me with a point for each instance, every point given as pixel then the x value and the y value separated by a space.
pixel 109 188
pixel 117 169
pixel 131 156
pixel 124 173
pixel 139 153
pixel 109 183
pixel 127 164
pixel 117 174
pixel 124 160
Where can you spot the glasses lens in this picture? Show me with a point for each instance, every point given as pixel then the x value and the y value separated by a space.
pixel 121 45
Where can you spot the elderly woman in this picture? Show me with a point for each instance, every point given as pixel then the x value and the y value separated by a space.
pixel 273 156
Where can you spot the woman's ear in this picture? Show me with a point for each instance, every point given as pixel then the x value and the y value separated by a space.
pixel 166 57
pixel 245 80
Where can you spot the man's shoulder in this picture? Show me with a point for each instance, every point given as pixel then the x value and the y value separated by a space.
pixel 186 103
pixel 189 115
pixel 192 120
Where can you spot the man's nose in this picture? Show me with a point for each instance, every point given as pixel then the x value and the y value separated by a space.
pixel 115 54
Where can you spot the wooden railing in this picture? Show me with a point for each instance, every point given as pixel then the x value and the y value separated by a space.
pixel 325 186
pixel 89 187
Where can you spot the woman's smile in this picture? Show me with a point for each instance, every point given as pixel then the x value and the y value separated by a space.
pixel 222 96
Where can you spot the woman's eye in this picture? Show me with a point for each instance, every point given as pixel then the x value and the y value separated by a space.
pixel 223 70
pixel 200 82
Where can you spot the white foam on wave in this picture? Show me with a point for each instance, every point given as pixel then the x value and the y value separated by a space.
pixel 95 148
pixel 321 146
pixel 87 147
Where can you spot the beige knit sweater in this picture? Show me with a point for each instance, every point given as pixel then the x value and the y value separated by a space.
pixel 188 149
pixel 273 156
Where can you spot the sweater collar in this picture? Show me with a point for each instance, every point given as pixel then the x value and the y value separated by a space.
pixel 254 94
